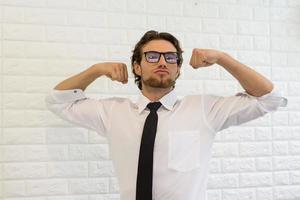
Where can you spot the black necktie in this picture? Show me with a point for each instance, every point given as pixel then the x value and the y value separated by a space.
pixel 145 168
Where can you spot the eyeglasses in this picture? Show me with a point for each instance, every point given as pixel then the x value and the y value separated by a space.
pixel 154 57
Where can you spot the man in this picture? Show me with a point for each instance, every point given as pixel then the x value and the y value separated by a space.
pixel 175 167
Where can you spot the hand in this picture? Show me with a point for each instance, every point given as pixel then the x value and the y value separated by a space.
pixel 204 57
pixel 114 70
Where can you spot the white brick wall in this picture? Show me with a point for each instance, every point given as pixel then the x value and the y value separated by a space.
pixel 45 41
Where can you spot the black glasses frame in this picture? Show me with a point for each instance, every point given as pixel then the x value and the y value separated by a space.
pixel 164 54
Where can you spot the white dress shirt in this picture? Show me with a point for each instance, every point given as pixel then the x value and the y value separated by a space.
pixel 185 133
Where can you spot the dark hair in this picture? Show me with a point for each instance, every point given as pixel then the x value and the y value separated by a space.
pixel 147 37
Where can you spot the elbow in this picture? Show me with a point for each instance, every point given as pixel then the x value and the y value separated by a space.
pixel 267 88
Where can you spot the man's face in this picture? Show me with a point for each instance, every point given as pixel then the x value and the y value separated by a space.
pixel 159 74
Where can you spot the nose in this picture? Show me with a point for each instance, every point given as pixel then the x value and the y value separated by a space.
pixel 162 60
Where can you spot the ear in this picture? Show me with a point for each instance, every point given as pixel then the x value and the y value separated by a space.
pixel 137 68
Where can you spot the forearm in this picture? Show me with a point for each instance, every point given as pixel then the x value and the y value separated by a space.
pixel 254 83
pixel 81 80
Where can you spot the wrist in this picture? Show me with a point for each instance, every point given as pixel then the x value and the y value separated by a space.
pixel 223 58
pixel 98 69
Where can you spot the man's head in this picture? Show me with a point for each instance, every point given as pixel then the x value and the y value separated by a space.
pixel 156 60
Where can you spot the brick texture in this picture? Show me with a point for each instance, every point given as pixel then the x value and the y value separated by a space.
pixel 45 41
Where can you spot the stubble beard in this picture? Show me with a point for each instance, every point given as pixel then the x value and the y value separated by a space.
pixel 160 82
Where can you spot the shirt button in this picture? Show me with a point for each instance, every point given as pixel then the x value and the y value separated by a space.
pixel 75 91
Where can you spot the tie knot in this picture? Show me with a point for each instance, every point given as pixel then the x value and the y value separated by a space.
pixel 154 106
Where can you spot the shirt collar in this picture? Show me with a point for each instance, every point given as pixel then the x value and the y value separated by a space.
pixel 167 101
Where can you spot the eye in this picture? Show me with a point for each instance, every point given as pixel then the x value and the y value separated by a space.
pixel 171 57
pixel 152 55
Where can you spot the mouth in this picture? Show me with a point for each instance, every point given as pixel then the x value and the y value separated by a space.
pixel 160 71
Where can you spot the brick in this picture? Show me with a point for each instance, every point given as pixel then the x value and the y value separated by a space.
pixel 136 6
pixel 216 181
pixel 236 42
pixel 257 179
pixel 217 26
pixel 23 136
pixel 263 134
pixel 280 148
pixel 294 148
pixel 12 153
pixel 86 19
pixel 232 134
pixel 213 195
pixel 64 34
pixel 261 43
pixel 156 22
pixel 193 40
pixel 295 177
pixel 24 170
pixel 281 133
pixel 37 3
pixel 45 16
pixel 235 12
pixel 256 149
pixel 98 152
pixel 200 9
pixel 13 49
pixel 225 150
pixel 23 101
pixel 294 118
pixel 261 13
pixel 14 188
pixel 247 164
pixel 69 197
pixel 116 6
pixel 23 32
pixel 264 194
pixel 126 21
pixel 280 118
pixel 281 163
pixel 247 134
pixel 174 7
pixel 47 187
pixel 12 14
pixel 288 192
pixel 76 4
pixel 89 186
pixel 230 165
pixel 183 24
pixel 66 135
pixel 228 194
pixel 227 88
pixel 114 185
pixel 67 169
pixel 264 164
pixel 261 57
pixel 78 152
pixel 106 36
pixel 292 59
pixel 100 5
pixel 207 74
pixel 278 29
pixel 58 153
pixel 253 28
pixel 101 169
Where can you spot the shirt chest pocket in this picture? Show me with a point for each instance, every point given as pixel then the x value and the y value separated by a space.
pixel 184 150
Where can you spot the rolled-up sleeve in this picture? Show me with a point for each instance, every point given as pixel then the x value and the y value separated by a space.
pixel 75 107
pixel 223 112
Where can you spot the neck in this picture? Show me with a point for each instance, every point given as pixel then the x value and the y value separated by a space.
pixel 154 94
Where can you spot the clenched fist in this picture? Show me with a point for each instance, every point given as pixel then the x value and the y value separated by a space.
pixel 114 70
pixel 204 57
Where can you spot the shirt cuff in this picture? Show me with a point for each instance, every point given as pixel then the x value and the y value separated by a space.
pixel 66 96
